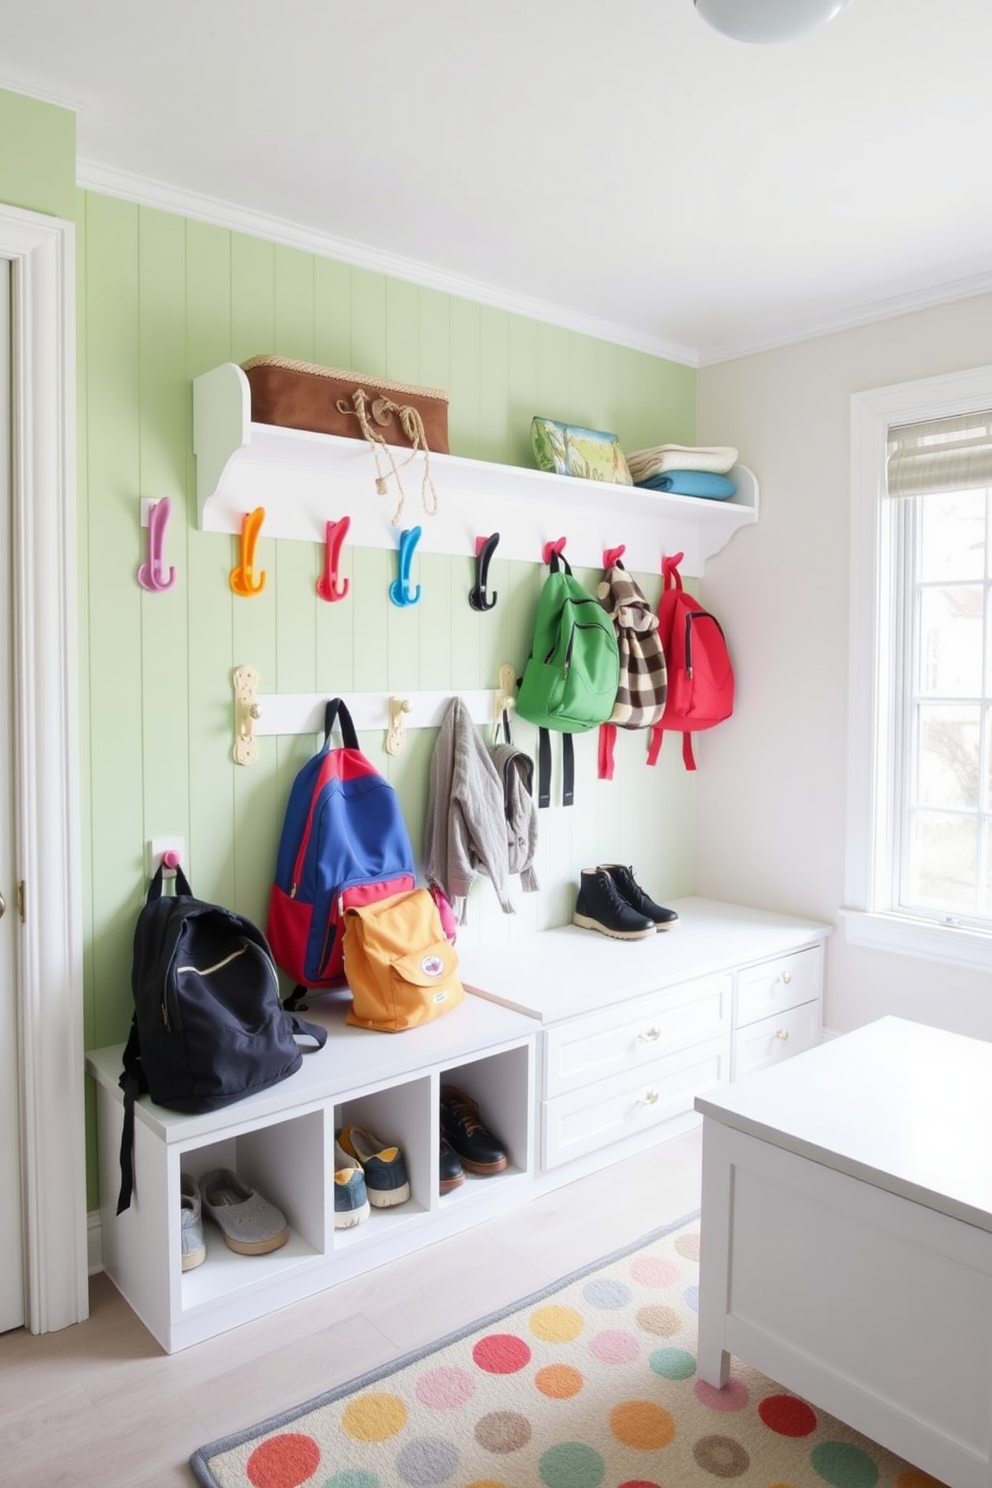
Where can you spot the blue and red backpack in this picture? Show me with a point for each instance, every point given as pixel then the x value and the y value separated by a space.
pixel 344 843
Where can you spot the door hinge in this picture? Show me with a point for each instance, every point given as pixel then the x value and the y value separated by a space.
pixel 20 900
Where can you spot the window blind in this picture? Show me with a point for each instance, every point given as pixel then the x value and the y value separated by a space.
pixel 949 454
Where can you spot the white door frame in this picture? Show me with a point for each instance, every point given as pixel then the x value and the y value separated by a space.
pixel 49 983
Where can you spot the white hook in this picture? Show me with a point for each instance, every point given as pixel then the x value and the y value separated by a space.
pixel 396 735
pixel 506 697
pixel 246 710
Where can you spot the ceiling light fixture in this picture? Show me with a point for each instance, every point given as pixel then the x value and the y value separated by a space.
pixel 767 20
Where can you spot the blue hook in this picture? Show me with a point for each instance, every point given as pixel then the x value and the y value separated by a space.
pixel 399 590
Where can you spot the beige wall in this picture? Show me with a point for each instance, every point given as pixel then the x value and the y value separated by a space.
pixel 771 793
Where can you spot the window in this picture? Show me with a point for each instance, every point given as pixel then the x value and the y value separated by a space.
pixel 919 871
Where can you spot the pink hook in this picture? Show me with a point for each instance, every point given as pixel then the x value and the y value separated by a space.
pixel 613 555
pixel 170 860
pixel 554 547
pixel 329 586
pixel 152 573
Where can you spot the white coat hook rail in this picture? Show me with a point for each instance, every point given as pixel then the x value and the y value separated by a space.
pixel 391 714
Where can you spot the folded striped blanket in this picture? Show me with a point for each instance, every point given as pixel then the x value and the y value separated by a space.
pixel 664 457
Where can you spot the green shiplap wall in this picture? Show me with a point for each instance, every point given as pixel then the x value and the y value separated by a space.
pixel 37 155
pixel 162 299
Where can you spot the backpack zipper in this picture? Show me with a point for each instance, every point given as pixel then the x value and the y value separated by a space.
pixel 325 775
pixel 689 621
pixel 209 971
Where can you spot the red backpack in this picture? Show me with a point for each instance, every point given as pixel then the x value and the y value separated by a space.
pixel 700 673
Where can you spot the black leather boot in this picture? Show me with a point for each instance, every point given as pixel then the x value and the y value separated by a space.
pixel 450 1171
pixel 631 891
pixel 477 1149
pixel 600 906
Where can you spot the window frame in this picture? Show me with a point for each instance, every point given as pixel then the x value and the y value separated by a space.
pixel 874 638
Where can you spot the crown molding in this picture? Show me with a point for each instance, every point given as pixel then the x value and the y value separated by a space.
pixel 139 189
pixel 847 320
pixel 143 191
pixel 42 95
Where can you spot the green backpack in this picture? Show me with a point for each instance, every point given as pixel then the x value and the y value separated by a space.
pixel 570 681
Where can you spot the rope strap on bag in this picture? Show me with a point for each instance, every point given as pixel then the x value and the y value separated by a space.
pixel 382 409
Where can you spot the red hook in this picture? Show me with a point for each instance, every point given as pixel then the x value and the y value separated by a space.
pixel 554 547
pixel 329 587
pixel 612 556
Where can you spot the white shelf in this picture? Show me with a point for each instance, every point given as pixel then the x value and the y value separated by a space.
pixel 305 480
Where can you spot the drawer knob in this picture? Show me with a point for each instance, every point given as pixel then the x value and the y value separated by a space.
pixel 782 1034
pixel 649 1098
pixel 786 977
pixel 650 1035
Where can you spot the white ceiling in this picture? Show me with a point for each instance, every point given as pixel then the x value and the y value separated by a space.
pixel 619 167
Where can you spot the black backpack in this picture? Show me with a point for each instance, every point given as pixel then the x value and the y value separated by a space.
pixel 208 1027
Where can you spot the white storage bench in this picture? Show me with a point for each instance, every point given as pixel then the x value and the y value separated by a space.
pixel 281 1142
pixel 578 1048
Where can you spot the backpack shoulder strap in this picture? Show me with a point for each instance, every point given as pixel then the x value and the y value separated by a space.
pixel 544 769
pixel 303 1029
pixel 607 745
pixel 670 571
pixel 335 710
pixel 133 1084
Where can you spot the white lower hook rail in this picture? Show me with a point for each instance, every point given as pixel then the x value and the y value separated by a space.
pixel 268 714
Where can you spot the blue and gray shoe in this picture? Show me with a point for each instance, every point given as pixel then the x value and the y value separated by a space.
pixel 384 1167
pixel 351 1200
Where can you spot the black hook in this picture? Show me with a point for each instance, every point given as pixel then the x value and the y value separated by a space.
pixel 477 596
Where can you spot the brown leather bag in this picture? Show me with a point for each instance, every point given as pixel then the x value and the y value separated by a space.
pixel 324 400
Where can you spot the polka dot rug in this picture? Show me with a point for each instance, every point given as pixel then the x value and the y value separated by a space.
pixel 589 1384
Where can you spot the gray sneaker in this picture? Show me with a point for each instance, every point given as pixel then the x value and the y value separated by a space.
pixel 194 1251
pixel 250 1224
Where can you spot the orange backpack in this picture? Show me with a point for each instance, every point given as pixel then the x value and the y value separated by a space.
pixel 399 964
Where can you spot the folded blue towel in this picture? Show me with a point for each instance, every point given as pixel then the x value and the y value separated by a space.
pixel 691 483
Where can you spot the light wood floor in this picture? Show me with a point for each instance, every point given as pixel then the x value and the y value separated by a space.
pixel 101 1406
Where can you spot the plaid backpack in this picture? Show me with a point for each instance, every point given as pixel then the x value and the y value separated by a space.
pixel 643 685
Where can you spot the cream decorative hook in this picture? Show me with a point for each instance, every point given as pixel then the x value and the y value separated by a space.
pixel 396 733
pixel 246 710
pixel 506 697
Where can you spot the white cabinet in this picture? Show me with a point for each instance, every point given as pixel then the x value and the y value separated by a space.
pixel 631 1104
pixel 777 1010
pixel 281 1142
pixel 631 1032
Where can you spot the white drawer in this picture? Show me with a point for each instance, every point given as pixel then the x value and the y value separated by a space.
pixel 631 1035
pixel 776 985
pixel 610 1110
pixel 777 1038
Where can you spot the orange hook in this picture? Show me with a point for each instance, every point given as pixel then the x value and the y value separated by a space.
pixel 244 580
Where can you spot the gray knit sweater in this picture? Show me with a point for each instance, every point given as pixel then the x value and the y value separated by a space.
pixel 465 829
